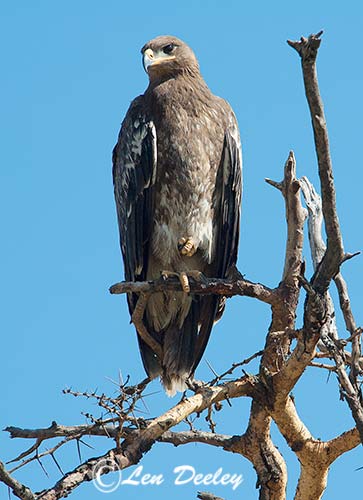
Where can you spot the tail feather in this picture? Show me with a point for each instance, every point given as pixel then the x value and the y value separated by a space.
pixel 174 383
pixel 183 345
pixel 149 359
pixel 179 344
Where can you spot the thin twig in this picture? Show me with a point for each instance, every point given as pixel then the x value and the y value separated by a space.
pixel 324 366
pixel 218 378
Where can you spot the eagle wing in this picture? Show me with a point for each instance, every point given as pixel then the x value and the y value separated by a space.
pixel 134 170
pixel 229 183
pixel 227 203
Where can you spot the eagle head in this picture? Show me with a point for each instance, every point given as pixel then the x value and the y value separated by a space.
pixel 167 56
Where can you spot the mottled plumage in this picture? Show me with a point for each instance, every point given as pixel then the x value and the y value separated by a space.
pixel 177 178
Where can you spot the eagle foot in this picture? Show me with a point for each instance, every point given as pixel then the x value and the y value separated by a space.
pixel 187 246
pixel 184 277
pixel 137 320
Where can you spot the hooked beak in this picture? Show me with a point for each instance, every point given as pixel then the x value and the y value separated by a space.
pixel 151 58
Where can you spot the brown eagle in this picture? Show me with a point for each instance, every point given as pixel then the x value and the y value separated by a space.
pixel 177 184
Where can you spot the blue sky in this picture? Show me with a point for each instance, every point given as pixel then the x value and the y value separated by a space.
pixel 69 72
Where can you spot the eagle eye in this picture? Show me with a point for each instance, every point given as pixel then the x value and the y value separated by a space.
pixel 168 49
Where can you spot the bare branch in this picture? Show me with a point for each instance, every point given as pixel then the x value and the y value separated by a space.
pixel 18 489
pixel 350 385
pixel 318 248
pixel 204 495
pixel 312 481
pixel 56 430
pixel 275 184
pixel 311 452
pixel 211 438
pixel 295 216
pixel 324 366
pixel 351 327
pixel 290 425
pixel 315 221
pixel 316 306
pixel 139 441
pixel 284 311
pixel 68 432
pixel 343 443
pixel 334 256
pixel 205 286
pixel 257 446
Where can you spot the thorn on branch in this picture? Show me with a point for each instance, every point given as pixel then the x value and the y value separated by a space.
pixel 79 451
pixel 42 466
pixel 57 464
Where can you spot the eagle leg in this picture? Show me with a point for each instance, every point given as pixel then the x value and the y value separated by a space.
pixel 137 320
pixel 187 246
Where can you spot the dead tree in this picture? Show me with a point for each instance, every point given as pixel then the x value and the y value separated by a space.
pixel 287 352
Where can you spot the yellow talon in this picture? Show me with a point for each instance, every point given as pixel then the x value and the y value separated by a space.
pixel 184 281
pixel 182 276
pixel 187 246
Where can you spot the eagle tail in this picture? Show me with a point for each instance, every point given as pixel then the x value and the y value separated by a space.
pixel 174 383
pixel 179 346
pixel 183 345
